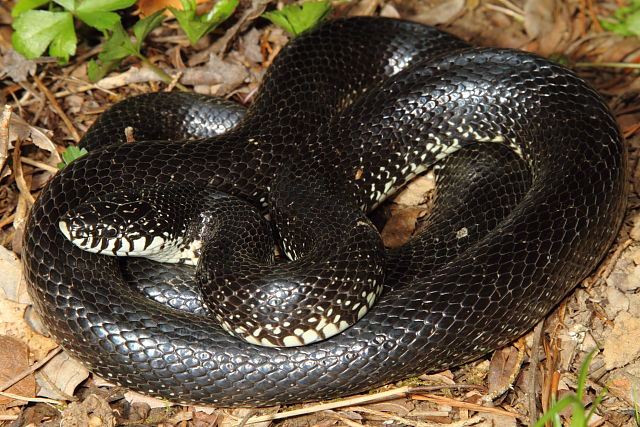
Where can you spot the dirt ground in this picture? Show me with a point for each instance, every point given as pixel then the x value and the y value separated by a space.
pixel 50 106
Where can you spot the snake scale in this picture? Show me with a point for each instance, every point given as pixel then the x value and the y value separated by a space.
pixel 352 109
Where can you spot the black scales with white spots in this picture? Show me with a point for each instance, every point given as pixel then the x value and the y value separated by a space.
pixel 329 120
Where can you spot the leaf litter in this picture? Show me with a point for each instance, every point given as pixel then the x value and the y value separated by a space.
pixel 510 387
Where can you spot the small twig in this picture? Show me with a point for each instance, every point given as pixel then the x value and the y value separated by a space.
pixel 4 135
pixel 8 220
pixel 391 417
pixel 358 400
pixel 174 81
pixel 533 372
pixel 512 6
pixel 607 64
pixel 31 399
pixel 466 405
pixel 160 72
pixel 19 174
pixel 594 16
pixel 38 164
pixel 54 103
pixel 515 15
pixel 83 87
pixel 347 421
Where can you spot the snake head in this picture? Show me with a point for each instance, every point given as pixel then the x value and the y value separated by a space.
pixel 112 224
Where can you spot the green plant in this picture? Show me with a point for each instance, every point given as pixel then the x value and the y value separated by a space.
pixel 70 154
pixel 35 29
pixel 626 20
pixel 119 46
pixel 296 18
pixel 196 26
pixel 579 415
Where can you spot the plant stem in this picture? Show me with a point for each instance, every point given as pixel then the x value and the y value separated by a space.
pixel 164 76
pixel 607 64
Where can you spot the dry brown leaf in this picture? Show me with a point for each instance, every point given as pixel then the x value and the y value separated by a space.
pixel 60 374
pixel 400 226
pixel 137 398
pixel 622 345
pixel 250 46
pixel 15 66
pixel 505 363
pixel 132 75
pixel 539 17
pixel 14 359
pixel 11 282
pixel 225 74
pixel 407 207
pixel 363 8
pixel 12 323
pixel 438 12
pixel 18 128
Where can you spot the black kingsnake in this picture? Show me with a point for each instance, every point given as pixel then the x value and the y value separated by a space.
pixel 329 119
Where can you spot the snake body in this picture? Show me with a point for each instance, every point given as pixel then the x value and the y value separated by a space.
pixel 354 109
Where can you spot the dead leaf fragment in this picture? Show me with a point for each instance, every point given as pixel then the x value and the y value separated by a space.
pixel 12 323
pixel 59 378
pixel 15 66
pixel 225 75
pixel 622 345
pixel 504 367
pixel 11 283
pixel 438 12
pixel 14 359
pixel 18 128
pixel 539 17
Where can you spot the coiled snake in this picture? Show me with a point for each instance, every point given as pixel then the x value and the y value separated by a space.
pixel 350 110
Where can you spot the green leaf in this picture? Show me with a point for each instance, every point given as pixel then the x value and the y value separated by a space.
pixel 100 20
pixel 37 29
pixel 196 26
pixel 98 13
pixel 104 5
pixel 143 27
pixel 95 71
pixel 118 46
pixel 69 5
pixel 220 12
pixel 298 18
pixel 24 5
pixel 626 22
pixel 556 409
pixel 64 43
pixel 70 154
pixel 98 69
pixel 633 23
